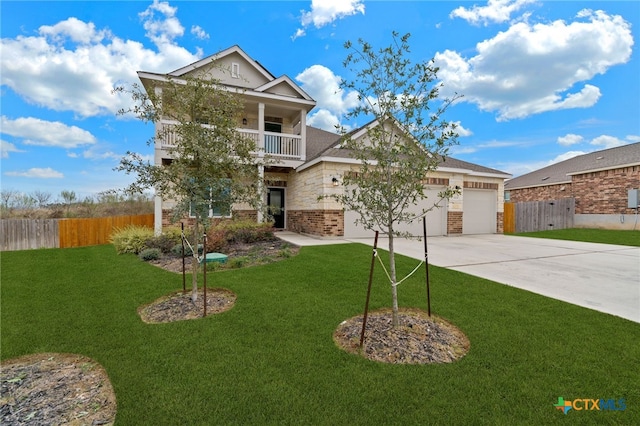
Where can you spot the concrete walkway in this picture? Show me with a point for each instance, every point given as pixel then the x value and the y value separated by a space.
pixel 602 277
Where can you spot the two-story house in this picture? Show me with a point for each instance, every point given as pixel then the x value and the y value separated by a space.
pixel 309 162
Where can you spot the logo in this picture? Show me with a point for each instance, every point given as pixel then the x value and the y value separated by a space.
pixel 588 404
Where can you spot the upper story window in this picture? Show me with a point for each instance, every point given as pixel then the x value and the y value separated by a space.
pixel 273 124
pixel 235 70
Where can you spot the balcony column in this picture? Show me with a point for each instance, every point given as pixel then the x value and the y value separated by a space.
pixel 261 128
pixel 303 135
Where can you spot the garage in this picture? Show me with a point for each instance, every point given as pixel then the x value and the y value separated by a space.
pixel 479 215
pixel 436 219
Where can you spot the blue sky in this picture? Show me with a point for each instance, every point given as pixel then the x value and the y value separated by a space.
pixel 542 80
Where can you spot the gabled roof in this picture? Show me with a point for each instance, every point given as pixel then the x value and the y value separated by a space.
pixel 264 86
pixel 559 173
pixel 216 56
pixel 284 80
pixel 325 146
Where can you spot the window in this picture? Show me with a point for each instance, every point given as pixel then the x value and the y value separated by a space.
pixel 235 70
pixel 507 196
pixel 214 201
pixel 273 127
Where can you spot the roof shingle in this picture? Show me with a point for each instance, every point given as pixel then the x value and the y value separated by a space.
pixel 561 172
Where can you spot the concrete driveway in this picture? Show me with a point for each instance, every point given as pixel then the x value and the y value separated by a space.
pixel 597 276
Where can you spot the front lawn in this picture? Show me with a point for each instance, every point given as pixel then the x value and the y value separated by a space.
pixel 271 359
pixel 605 236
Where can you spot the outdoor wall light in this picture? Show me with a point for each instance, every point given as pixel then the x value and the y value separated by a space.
pixel 244 121
pixel 335 181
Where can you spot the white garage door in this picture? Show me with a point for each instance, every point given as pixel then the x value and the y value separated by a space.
pixel 436 220
pixel 479 211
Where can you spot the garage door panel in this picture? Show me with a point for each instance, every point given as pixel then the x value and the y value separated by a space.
pixel 479 216
pixel 436 219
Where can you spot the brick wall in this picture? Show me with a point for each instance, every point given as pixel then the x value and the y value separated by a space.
pixel 454 223
pixel 541 193
pixel 188 221
pixel 605 192
pixel 324 223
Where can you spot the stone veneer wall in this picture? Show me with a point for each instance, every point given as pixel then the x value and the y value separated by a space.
pixel 500 223
pixel 323 223
pixel 454 223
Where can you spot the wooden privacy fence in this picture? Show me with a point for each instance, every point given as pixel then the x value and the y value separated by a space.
pixel 23 234
pixel 534 216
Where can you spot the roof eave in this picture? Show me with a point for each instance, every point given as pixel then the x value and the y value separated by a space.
pixel 537 185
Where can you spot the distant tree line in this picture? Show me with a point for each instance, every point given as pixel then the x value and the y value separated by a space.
pixel 43 205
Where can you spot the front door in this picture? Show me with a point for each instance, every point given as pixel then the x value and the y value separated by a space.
pixel 275 201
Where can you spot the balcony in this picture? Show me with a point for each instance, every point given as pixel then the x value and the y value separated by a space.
pixel 279 145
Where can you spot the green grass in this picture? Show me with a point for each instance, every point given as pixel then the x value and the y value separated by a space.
pixel 271 359
pixel 605 236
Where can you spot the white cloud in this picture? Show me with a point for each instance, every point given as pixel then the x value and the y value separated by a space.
pixel 324 86
pixel 6 148
pixel 73 66
pixel 460 150
pixel 564 156
pixel 36 172
pixel 34 131
pixel 461 131
pixel 569 139
pixel 160 22
pixel 495 11
pixel 605 141
pixel 332 102
pixel 324 119
pixel 324 12
pixel 199 32
pixel 533 68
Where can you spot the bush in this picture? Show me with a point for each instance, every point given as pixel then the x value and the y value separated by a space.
pixel 131 239
pixel 177 250
pixel 238 231
pixel 164 242
pixel 150 254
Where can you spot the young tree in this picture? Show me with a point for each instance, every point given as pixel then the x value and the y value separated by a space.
pixel 406 139
pixel 212 165
pixel 41 197
pixel 69 197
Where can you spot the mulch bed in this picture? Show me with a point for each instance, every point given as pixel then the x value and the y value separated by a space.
pixel 258 253
pixel 178 306
pixel 419 339
pixel 54 389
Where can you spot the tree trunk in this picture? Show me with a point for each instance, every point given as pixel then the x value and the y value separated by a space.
pixel 395 320
pixel 194 263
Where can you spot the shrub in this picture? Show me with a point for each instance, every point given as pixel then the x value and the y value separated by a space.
pixel 150 254
pixel 163 242
pixel 131 239
pixel 177 250
pixel 238 231
pixel 238 262
pixel 285 252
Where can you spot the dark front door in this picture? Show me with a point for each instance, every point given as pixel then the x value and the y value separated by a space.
pixel 275 201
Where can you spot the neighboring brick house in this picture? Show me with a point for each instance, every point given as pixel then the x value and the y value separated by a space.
pixel 599 182
pixel 310 163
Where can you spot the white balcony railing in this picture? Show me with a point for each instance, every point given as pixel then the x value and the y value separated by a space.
pixel 277 144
